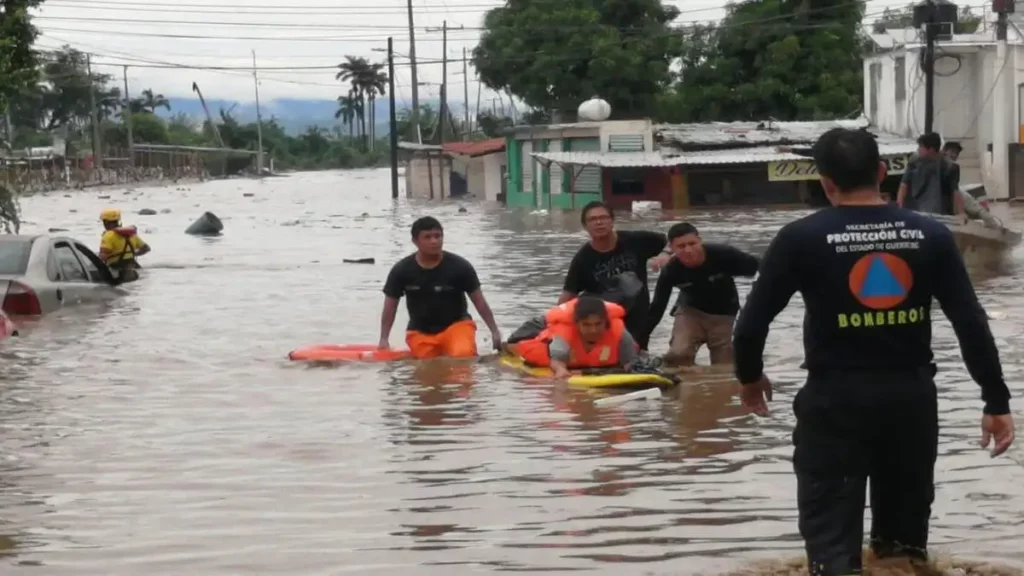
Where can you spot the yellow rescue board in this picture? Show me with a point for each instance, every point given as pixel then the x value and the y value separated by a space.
pixel 594 380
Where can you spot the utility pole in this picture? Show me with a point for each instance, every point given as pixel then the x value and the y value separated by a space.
pixel 924 15
pixel 468 128
pixel 415 81
pixel 392 122
pixel 128 120
pixel 259 119
pixel 442 119
pixel 97 152
pixel 8 131
pixel 1001 114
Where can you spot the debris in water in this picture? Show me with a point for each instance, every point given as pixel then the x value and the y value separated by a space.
pixel 359 260
pixel 206 225
pixel 248 194
pixel 147 212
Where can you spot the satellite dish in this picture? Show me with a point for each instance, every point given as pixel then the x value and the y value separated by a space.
pixel 594 110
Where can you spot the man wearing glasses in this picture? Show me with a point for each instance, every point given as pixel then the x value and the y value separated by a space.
pixel 614 263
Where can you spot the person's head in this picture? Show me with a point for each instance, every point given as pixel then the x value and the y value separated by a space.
pixel 685 242
pixel 597 219
pixel 848 162
pixel 591 318
pixel 928 145
pixel 952 150
pixel 111 218
pixel 428 236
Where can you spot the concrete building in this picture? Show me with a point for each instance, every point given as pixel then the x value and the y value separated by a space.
pixel 977 99
pixel 456 169
pixel 678 166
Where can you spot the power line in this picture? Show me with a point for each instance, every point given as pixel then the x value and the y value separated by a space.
pixel 258 10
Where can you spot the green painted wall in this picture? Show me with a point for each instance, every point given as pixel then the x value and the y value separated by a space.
pixel 516 196
pixel 521 194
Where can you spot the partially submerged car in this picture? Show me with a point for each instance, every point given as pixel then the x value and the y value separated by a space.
pixel 41 274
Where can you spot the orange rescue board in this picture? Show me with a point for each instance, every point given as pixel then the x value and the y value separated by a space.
pixel 346 353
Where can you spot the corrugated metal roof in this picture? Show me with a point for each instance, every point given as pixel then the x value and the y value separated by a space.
pixel 609 159
pixel 756 155
pixel 473 149
pixel 749 133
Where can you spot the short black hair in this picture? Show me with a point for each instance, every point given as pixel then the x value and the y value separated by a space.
pixel 425 224
pixel 953 146
pixel 681 229
pixel 593 206
pixel 587 306
pixel 848 157
pixel 931 141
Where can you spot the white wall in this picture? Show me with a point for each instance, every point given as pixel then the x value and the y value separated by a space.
pixel 628 127
pixel 417 182
pixel 964 101
pixel 492 175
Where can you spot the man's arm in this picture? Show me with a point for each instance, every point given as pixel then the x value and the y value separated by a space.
pixel 480 303
pixel 741 263
pixel 901 195
pixel 559 352
pixel 571 286
pixel 139 246
pixel 394 289
pixel 628 349
pixel 774 286
pixel 662 294
pixel 959 303
pixel 106 248
pixel 954 189
pixel 649 244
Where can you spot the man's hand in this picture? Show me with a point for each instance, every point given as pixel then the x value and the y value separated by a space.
pixel 561 373
pixel 659 261
pixel 998 427
pixel 383 344
pixel 757 395
pixel 496 339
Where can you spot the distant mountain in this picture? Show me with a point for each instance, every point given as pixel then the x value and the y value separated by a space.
pixel 294 114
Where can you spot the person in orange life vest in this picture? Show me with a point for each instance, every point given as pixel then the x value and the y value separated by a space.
pixel 435 283
pixel 583 333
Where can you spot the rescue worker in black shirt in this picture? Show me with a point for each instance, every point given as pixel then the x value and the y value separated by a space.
pixel 708 302
pixel 615 261
pixel 867 272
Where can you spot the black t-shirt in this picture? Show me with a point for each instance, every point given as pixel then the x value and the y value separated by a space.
pixel 709 288
pixel 598 272
pixel 435 297
pixel 868 275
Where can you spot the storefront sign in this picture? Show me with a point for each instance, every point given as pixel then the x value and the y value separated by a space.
pixel 793 170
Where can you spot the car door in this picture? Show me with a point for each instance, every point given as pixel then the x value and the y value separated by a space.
pixel 72 279
pixel 99 273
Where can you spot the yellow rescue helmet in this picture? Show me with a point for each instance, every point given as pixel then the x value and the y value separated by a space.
pixel 110 215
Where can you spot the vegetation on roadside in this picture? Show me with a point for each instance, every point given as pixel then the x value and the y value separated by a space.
pixel 18 72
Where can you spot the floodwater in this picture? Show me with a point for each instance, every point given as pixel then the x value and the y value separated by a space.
pixel 165 433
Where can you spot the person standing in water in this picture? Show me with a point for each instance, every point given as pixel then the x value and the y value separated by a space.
pixel 435 283
pixel 708 301
pixel 120 246
pixel 615 261
pixel 868 272
pixel 932 180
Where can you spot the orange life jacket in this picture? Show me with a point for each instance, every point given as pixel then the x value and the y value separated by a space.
pixel 561 322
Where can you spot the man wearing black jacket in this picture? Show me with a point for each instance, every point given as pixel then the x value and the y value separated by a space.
pixel 868 272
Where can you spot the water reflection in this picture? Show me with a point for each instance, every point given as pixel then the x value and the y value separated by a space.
pixel 166 434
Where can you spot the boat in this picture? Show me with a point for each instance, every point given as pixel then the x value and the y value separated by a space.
pixel 983 234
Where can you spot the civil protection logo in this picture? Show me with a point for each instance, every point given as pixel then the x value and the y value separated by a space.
pixel 880 280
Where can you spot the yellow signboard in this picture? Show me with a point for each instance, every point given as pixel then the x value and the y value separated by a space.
pixel 793 170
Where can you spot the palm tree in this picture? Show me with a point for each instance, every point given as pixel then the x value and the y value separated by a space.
pixel 347 112
pixel 151 101
pixel 352 70
pixel 374 83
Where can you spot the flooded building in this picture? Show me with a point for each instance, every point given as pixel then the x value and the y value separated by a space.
pixel 456 169
pixel 622 162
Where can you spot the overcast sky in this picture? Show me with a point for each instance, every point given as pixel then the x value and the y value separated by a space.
pixel 310 33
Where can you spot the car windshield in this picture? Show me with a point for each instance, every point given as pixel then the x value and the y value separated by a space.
pixel 14 254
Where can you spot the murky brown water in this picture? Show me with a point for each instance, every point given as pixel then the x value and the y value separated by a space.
pixel 166 434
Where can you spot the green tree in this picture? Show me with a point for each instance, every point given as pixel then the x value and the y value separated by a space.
pixel 555 54
pixel 347 108
pixel 782 59
pixel 900 18
pixel 18 76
